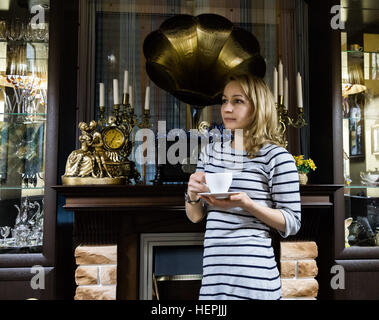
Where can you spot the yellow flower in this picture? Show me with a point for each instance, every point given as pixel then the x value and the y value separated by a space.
pixel 299 160
pixel 304 165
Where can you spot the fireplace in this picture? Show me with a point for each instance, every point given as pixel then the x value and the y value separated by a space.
pixel 121 228
pixel 156 276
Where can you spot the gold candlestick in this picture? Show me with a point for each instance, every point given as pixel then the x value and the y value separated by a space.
pixel 128 116
pixel 145 123
pixel 282 113
pixel 299 122
pixel 102 120
pixel 116 113
pixel 285 120
pixel 125 107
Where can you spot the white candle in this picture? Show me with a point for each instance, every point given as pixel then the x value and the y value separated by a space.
pixel 286 93
pixel 275 93
pixel 147 98
pixel 281 78
pixel 115 92
pixel 126 78
pixel 299 88
pixel 101 100
pixel 130 95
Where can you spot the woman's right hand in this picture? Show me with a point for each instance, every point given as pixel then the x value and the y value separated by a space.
pixel 196 184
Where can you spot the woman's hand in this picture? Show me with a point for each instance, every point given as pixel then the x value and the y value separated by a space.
pixel 196 184
pixel 240 199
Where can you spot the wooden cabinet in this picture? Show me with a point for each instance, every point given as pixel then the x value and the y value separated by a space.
pixel 335 119
pixel 27 125
pixel 30 165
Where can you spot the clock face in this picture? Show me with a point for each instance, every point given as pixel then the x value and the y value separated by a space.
pixel 113 138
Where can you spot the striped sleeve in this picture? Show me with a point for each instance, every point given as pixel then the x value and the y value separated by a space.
pixel 203 158
pixel 285 191
pixel 200 167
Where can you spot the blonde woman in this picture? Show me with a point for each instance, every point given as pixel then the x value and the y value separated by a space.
pixel 238 261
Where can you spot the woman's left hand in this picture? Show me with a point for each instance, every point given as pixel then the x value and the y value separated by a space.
pixel 240 199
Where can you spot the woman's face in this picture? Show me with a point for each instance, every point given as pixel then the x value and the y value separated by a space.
pixel 236 108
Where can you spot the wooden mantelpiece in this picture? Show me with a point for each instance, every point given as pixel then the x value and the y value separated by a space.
pixel 120 197
pixel 113 214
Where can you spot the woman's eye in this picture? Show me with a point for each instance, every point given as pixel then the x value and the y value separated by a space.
pixel 224 101
pixel 238 101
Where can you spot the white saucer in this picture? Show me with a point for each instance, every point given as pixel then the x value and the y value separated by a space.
pixel 223 195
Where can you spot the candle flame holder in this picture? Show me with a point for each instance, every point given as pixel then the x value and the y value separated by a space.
pixel 285 120
pixel 129 117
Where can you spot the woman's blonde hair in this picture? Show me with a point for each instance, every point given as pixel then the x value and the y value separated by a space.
pixel 264 127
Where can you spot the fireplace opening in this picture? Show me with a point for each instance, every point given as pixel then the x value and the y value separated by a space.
pixel 170 266
pixel 177 272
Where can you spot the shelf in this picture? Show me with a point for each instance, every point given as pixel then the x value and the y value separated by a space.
pixel 361 187
pixel 18 250
pixel 23 118
pixel 357 52
pixel 23 114
pixel 370 117
pixel 27 59
pixel 359 197
pixel 22 188
pixel 24 41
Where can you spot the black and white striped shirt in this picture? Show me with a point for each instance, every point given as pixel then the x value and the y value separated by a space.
pixel 238 260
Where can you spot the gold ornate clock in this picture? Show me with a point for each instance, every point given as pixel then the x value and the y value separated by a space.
pixel 114 138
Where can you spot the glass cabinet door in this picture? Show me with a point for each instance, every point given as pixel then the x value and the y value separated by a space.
pixel 360 96
pixel 24 45
pixel 118 30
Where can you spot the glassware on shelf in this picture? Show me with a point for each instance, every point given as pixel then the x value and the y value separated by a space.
pixel 31 179
pixel 29 97
pixel 28 229
pixel 370 178
pixel 16 30
pixel 4 231
pixel 26 74
pixel 43 32
pixel 29 34
pixel 3 30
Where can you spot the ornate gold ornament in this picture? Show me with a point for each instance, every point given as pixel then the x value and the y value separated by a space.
pixel 105 148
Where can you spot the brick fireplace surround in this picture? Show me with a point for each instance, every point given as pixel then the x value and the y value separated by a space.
pixel 107 231
pixel 96 271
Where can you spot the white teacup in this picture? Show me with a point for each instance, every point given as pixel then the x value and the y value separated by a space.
pixel 219 182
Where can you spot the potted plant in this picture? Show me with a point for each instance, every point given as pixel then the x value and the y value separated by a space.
pixel 304 166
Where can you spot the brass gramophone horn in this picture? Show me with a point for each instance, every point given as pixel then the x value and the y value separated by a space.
pixel 191 57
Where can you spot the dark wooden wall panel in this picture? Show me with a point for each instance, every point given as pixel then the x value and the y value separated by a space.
pixel 15 284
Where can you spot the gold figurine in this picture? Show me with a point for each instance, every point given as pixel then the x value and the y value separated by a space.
pixel 102 158
pixel 80 163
